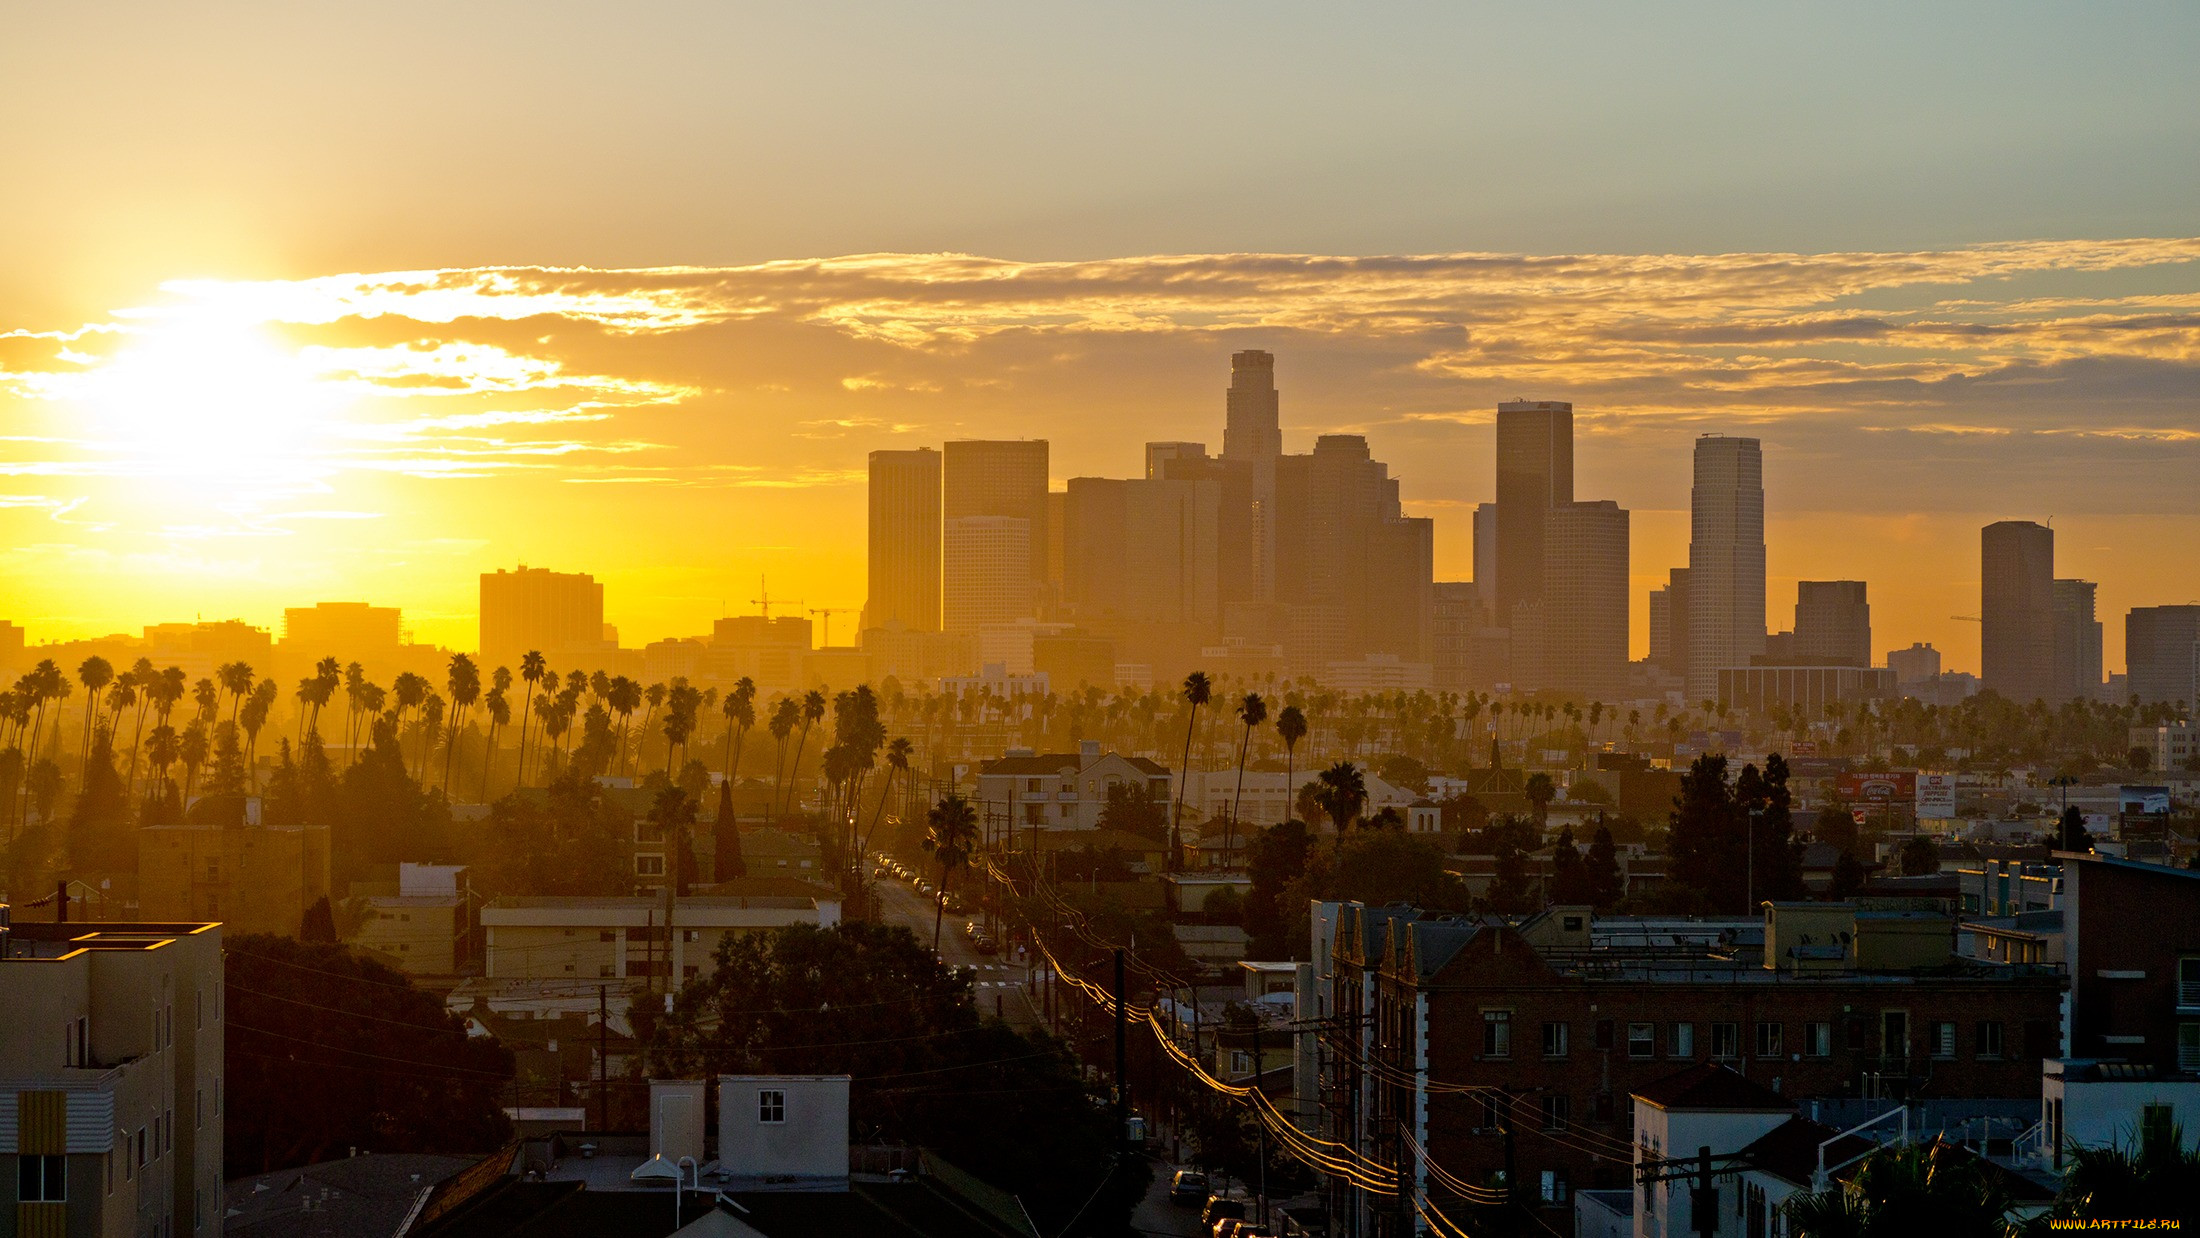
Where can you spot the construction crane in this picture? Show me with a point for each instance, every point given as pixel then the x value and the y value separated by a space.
pixel 827 612
pixel 764 603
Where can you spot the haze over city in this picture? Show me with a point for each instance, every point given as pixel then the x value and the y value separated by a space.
pixel 704 620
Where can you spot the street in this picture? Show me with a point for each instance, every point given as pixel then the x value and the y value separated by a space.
pixel 997 986
pixel 1156 1215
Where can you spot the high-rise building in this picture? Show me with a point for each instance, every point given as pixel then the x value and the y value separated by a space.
pixel 1171 553
pixel 2077 642
pixel 1669 639
pixel 348 630
pixel 1535 473
pixel 993 480
pixel 989 582
pixel 1353 572
pixel 1833 623
pixel 1585 599
pixel 1485 557
pixel 1458 612
pixel 2017 610
pixel 2162 653
pixel 11 650
pixel 905 540
pixel 1252 436
pixel 559 614
pixel 1726 560
pixel 1918 664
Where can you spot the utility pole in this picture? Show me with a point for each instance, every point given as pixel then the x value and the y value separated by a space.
pixel 603 1058
pixel 1122 1079
pixel 1512 1165
pixel 1260 1073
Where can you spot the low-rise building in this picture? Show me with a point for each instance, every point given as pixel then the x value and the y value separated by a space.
pixel 111 1047
pixel 252 878
pixel 1062 790
pixel 422 929
pixel 549 938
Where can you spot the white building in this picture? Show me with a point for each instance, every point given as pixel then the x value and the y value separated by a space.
pixel 550 938
pixel 1062 790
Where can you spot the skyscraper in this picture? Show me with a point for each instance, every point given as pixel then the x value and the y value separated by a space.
pixel 2077 642
pixel 2017 610
pixel 1485 560
pixel 1252 437
pixel 2162 654
pixel 991 481
pixel 1833 623
pixel 905 540
pixel 1585 599
pixel 1671 653
pixel 1535 473
pixel 988 562
pixel 1726 560
pixel 559 614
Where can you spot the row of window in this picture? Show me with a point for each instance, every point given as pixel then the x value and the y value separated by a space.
pixel 1770 1039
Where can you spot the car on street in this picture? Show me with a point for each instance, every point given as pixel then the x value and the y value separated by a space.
pixel 1221 1208
pixel 1188 1188
pixel 986 945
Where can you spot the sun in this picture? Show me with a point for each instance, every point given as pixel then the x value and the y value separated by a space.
pixel 209 399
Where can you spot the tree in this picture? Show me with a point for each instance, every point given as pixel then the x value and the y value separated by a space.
pixel 2070 831
pixel 1715 829
pixel 1602 870
pixel 328 1050
pixel 725 834
pixel 95 673
pixel 1377 867
pixel 2152 1177
pixel 785 715
pixel 673 816
pixel 1342 796
pixel 1252 711
pixel 1835 826
pixel 1133 808
pixel 500 716
pixel 951 835
pixel 897 762
pixel 1290 728
pixel 2139 759
pixel 1197 690
pixel 1906 1189
pixel 812 712
pixel 1540 792
pixel 1569 872
pixel 1276 859
pixel 566 841
pixel 465 686
pixel 319 924
pixel 1919 857
pixel 867 1001
pixel 531 670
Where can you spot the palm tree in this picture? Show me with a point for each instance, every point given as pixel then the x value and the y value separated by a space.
pixel 1252 711
pixel 1197 689
pixel 163 750
pixel 191 749
pixel 740 710
pixel 95 673
pixel 1934 1188
pixel 431 720
pixel 2153 1176
pixel 531 669
pixel 1290 728
pixel 681 704
pixel 1342 796
pixel 465 686
pixel 1540 793
pixel 148 681
pixel 500 713
pixel 253 718
pixel 235 679
pixel 897 761
pixel 623 696
pixel 784 717
pixel 951 834
pixel 813 710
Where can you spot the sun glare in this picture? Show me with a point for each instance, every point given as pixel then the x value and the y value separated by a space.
pixel 213 399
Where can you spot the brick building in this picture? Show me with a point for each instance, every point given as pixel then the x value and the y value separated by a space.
pixel 1491 1043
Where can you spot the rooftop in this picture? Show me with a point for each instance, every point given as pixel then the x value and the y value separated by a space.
pixel 1707 1085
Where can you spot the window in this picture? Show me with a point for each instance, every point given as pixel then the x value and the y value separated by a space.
pixel 77 1051
pixel 1604 1035
pixel 198 1109
pixel 1490 1111
pixel 1241 1062
pixel 140 1147
pixel 42 1179
pixel 1555 1189
pixel 1642 1040
pixel 1989 1038
pixel 1768 1040
pixel 1944 1040
pixel 649 866
pixel 2188 982
pixel 1555 1039
pixel 1497 1033
pixel 771 1105
pixel 1818 1040
pixel 607 935
pixel 2188 1046
pixel 1681 1042
pixel 1894 1033
pixel 1558 1109
pixel 1726 1040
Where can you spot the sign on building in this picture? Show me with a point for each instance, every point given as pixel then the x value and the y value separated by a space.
pixel 1889 787
pixel 1936 796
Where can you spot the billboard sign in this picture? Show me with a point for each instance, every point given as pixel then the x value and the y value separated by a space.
pixel 2142 799
pixel 1887 787
pixel 1936 796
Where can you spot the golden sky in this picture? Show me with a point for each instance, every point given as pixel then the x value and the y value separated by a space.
pixel 326 302
pixel 228 447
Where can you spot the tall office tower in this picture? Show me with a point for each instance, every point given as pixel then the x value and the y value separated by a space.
pixel 905 540
pixel 2017 610
pixel 1672 654
pixel 1171 555
pixel 1920 663
pixel 988 577
pixel 348 630
pixel 1661 627
pixel 1585 599
pixel 1252 436
pixel 1092 548
pixel 1485 559
pixel 2162 654
pixel 1726 560
pixel 1535 473
pixel 1457 614
pixel 997 479
pixel 2077 642
pixel 1833 623
pixel 11 650
pixel 1353 573
pixel 1159 456
pixel 559 614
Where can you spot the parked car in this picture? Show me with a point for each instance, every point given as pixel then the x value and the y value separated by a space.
pixel 1188 1189
pixel 986 945
pixel 1220 1208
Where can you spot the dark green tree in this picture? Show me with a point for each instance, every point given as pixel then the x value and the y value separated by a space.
pixel 2070 831
pixel 1602 867
pixel 725 836
pixel 1277 859
pixel 1570 882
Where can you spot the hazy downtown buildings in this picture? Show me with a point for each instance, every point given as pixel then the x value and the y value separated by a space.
pixel 1918 664
pixel 1585 599
pixel 2162 652
pixel 904 540
pixel 1669 625
pixel 1535 473
pixel 995 480
pixel 346 629
pixel 1485 559
pixel 559 614
pixel 2077 667
pixel 1252 436
pixel 988 570
pixel 1833 623
pixel 2017 610
pixel 1726 560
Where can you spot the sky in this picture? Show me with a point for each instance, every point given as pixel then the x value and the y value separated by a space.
pixel 300 303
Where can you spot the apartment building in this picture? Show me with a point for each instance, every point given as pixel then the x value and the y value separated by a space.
pixel 1062 790
pixel 253 878
pixel 111 1078
pixel 565 938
